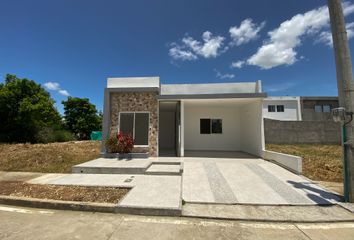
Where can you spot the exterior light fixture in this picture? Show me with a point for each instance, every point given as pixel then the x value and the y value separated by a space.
pixel 342 116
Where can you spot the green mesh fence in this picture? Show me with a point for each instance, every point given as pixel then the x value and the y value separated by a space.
pixel 96 135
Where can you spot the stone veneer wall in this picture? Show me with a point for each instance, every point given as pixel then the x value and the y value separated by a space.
pixel 135 102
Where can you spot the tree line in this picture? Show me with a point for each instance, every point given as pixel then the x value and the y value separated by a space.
pixel 28 114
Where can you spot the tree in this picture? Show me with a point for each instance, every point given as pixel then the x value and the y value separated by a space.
pixel 25 109
pixel 81 117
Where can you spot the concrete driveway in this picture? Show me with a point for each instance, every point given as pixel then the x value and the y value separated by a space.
pixel 248 181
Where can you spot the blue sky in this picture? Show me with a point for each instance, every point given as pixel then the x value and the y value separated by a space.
pixel 71 47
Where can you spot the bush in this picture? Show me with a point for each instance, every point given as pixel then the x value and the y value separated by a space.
pixel 121 143
pixel 48 135
pixel 112 144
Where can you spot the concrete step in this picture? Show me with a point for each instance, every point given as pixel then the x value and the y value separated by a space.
pixel 113 166
pixel 164 168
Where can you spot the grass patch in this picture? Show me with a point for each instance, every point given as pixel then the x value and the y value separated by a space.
pixel 47 158
pixel 320 162
pixel 64 193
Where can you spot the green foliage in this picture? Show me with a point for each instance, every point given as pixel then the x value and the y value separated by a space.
pixel 81 117
pixel 48 135
pixel 25 109
pixel 112 144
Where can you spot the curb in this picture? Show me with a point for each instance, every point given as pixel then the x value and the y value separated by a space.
pixel 267 220
pixel 86 206
pixel 58 204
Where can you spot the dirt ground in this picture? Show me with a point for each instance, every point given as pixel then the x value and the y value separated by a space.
pixel 64 193
pixel 320 162
pixel 47 158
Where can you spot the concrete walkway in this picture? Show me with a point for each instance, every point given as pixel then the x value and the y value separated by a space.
pixel 248 181
pixel 160 194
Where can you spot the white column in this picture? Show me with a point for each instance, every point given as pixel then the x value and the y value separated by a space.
pixel 182 128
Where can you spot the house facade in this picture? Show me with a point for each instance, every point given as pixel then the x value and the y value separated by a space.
pixel 181 119
pixel 318 108
pixel 282 108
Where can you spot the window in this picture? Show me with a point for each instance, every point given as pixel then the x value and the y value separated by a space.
pixel 216 126
pixel 318 108
pixel 271 108
pixel 208 126
pixel 280 108
pixel 323 108
pixel 204 126
pixel 136 124
pixel 326 108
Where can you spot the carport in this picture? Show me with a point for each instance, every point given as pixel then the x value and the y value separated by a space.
pixel 217 119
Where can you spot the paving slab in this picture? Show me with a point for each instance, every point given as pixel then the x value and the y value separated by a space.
pixel 101 180
pixel 305 213
pixel 249 181
pixel 162 193
pixel 164 169
pixel 113 166
pixel 154 195
pixel 18 176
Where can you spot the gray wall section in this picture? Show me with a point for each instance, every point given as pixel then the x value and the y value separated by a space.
pixel 167 130
pixel 308 108
pixel 297 132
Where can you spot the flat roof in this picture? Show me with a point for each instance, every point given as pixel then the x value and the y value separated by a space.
pixel 319 98
pixel 187 91
pixel 208 88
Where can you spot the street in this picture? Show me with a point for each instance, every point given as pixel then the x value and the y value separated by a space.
pixel 30 223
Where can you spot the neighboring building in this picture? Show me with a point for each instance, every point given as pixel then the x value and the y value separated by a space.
pixel 174 119
pixel 318 108
pixel 282 108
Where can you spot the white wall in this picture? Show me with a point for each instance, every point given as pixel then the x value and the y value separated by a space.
pixel 291 109
pixel 252 134
pixel 229 140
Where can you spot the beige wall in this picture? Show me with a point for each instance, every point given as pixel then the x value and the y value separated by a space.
pixel 135 102
pixel 229 140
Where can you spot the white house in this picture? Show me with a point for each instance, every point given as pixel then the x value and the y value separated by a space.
pixel 177 119
pixel 282 108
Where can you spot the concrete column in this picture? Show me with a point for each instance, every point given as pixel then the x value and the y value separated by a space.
pixel 106 118
pixel 344 79
pixel 298 102
pixel 182 129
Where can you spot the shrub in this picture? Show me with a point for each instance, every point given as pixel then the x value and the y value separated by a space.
pixel 121 143
pixel 112 144
pixel 125 142
pixel 48 135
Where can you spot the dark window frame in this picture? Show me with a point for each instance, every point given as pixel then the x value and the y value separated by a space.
pixel 281 107
pixel 271 108
pixel 134 127
pixel 210 126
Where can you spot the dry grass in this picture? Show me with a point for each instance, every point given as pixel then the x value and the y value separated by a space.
pixel 47 158
pixel 320 162
pixel 64 193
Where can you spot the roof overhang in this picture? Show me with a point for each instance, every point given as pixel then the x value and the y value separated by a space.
pixel 213 96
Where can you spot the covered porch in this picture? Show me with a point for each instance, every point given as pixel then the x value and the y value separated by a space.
pixel 226 127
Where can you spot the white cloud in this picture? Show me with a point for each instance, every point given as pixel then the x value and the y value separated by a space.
pixel 224 76
pixel 190 48
pixel 54 86
pixel 177 52
pixel 64 92
pixel 326 36
pixel 279 49
pixel 246 32
pixel 237 64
